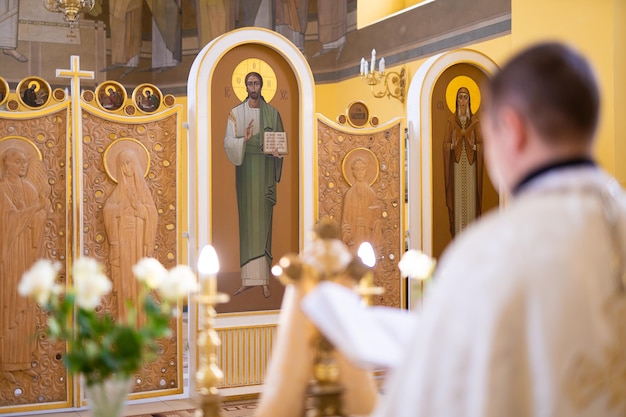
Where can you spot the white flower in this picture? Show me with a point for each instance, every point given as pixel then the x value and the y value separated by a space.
pixel 416 264
pixel 327 255
pixel 38 281
pixel 150 271
pixel 179 282
pixel 90 283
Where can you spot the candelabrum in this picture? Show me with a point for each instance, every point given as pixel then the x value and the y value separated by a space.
pixel 70 9
pixel 390 83
pixel 325 389
pixel 208 375
pixel 328 259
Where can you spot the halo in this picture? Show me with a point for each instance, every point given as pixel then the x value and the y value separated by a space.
pixel 4 88
pixel 114 149
pixel 467 82
pixel 21 143
pixel 35 83
pixel 365 154
pixel 257 65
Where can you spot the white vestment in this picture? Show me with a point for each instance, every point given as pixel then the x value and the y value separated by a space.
pixel 526 315
pixel 234 140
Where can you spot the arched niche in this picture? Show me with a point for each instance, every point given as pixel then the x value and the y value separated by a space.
pixel 424 160
pixel 211 95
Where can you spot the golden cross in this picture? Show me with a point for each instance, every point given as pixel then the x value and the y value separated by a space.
pixel 75 73
pixel 76 132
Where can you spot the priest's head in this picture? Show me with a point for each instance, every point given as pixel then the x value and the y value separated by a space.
pixel 541 108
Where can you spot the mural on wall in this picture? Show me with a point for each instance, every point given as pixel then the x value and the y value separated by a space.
pixel 257 173
pixel 463 155
pixel 462 191
pixel 33 213
pixel 360 183
pixel 254 91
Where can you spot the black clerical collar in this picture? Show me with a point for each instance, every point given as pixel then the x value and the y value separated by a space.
pixel 582 161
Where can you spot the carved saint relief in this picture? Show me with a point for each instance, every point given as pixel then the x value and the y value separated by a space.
pixel 23 203
pixel 130 217
pixel 359 179
pixel 361 214
pixel 130 211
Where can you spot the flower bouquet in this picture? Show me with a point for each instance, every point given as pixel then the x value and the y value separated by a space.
pixel 99 346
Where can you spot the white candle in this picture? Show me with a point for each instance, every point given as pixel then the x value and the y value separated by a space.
pixel 363 64
pixel 367 255
pixel 208 267
pixel 373 64
pixel 381 65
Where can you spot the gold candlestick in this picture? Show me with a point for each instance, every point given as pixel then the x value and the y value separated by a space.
pixel 366 287
pixel 325 389
pixel 208 375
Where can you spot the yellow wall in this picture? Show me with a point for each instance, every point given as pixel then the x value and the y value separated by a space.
pixel 332 99
pixel 619 48
pixel 370 11
pixel 595 28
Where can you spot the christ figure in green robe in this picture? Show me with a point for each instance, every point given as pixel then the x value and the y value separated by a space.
pixel 257 175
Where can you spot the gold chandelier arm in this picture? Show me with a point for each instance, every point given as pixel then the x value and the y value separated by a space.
pixel 391 84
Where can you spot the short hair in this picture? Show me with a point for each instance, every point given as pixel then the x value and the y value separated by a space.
pixel 553 87
pixel 256 74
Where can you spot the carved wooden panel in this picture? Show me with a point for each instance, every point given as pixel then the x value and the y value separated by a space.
pixel 37 218
pixel 360 182
pixel 152 146
pixel 32 371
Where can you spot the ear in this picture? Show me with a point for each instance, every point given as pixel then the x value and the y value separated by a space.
pixel 515 127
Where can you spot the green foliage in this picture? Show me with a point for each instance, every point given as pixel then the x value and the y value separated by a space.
pixel 100 345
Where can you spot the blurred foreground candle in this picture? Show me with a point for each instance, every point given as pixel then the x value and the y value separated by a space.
pixel 418 268
pixel 208 267
pixel 366 283
pixel 367 255
pixel 208 374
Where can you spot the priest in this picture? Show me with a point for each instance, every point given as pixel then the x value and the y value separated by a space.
pixel 527 310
